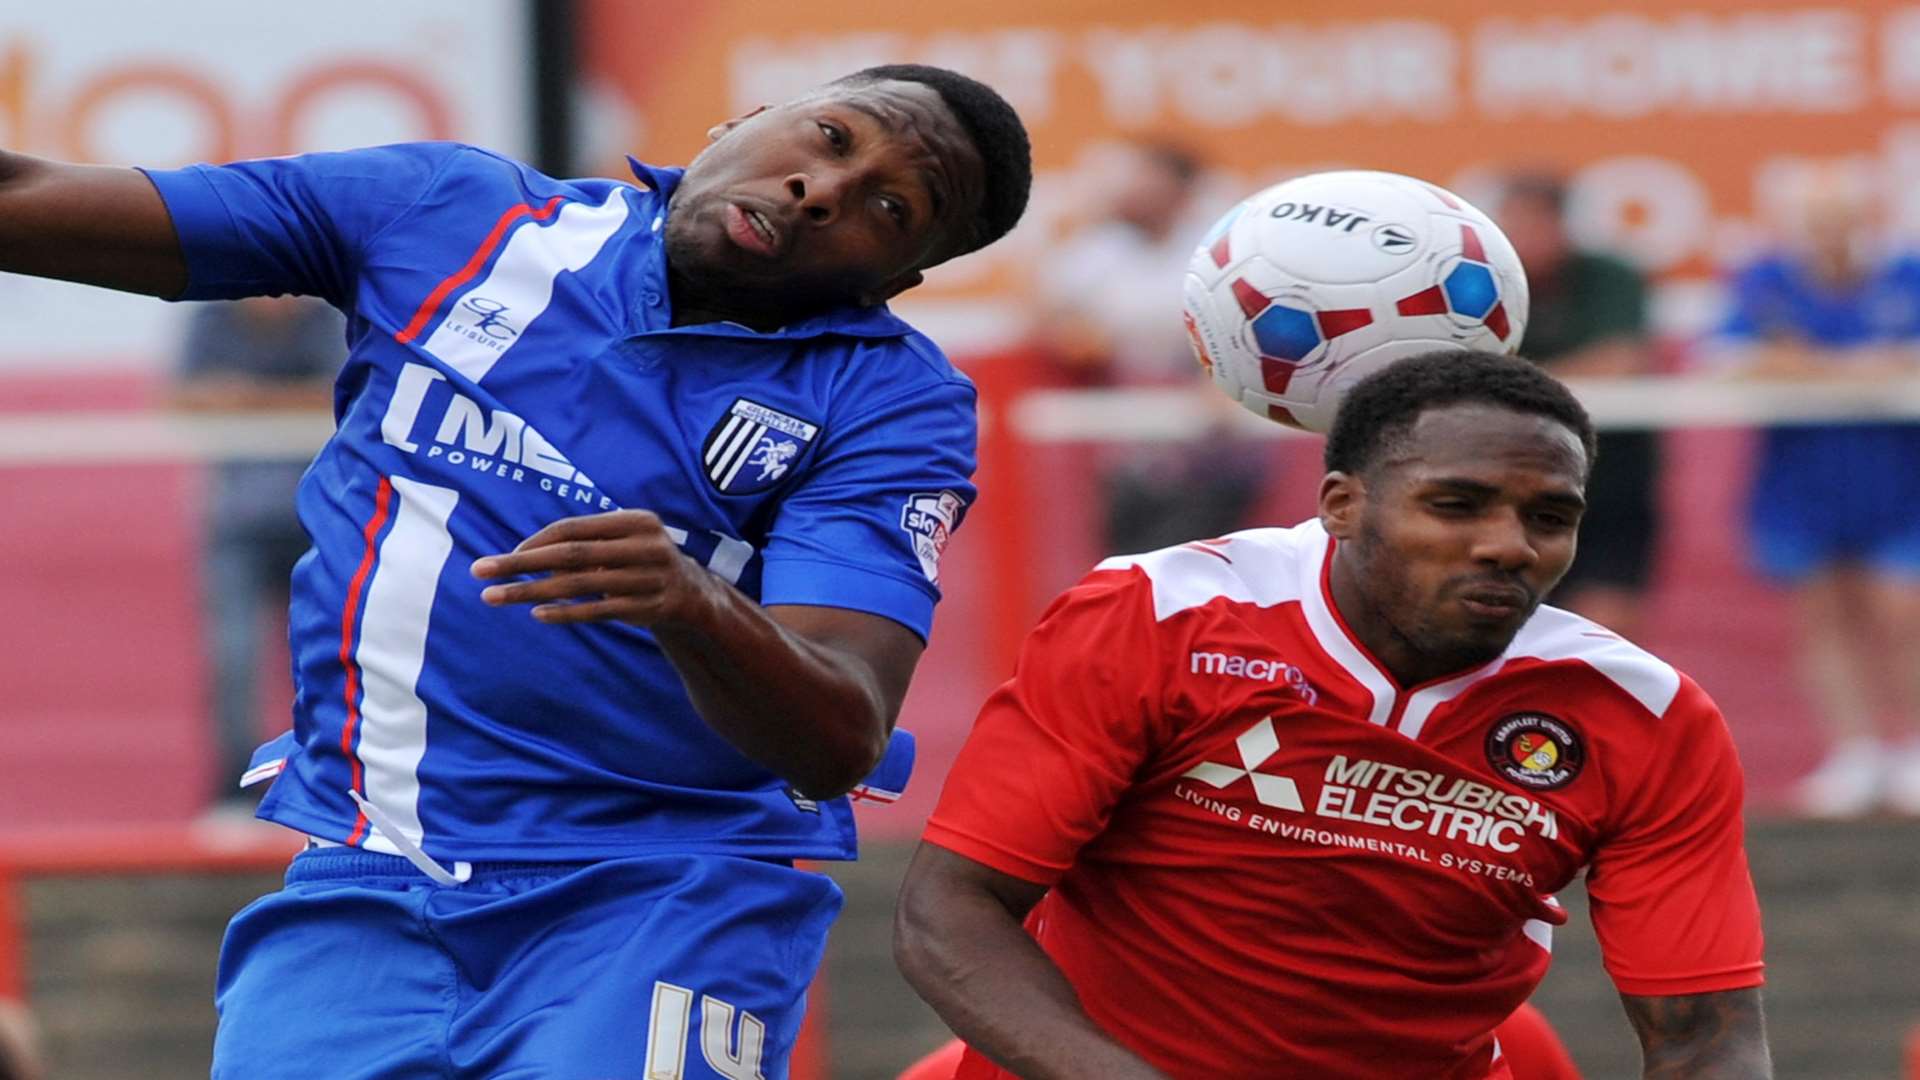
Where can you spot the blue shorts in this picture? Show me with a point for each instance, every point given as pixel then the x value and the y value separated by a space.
pixel 664 966
pixel 1824 496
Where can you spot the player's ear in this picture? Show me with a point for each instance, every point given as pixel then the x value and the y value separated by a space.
pixel 721 128
pixel 890 289
pixel 1342 496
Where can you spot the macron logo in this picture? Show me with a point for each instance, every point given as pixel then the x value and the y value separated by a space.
pixel 1216 663
pixel 1241 667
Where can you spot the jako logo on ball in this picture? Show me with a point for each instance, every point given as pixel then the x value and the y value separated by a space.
pixel 1306 287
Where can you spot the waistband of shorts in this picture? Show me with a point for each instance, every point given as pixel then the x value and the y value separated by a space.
pixel 346 863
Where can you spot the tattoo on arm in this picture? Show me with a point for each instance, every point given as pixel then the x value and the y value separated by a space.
pixel 1702 1036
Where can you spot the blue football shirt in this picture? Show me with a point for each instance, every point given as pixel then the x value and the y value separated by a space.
pixel 512 363
pixel 1777 297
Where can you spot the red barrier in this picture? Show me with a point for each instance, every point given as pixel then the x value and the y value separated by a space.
pixel 1004 512
pixel 83 852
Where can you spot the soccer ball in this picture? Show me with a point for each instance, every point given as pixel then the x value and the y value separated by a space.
pixel 1307 287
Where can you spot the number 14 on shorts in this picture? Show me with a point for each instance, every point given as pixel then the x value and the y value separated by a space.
pixel 667 1036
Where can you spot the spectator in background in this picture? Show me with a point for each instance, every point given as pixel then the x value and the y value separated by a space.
pixel 265 353
pixel 1108 314
pixel 1835 509
pixel 1588 319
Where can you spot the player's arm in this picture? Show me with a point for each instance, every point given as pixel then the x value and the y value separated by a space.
pixel 1674 907
pixel 810 693
pixel 1702 1036
pixel 1053 752
pixel 88 223
pixel 957 937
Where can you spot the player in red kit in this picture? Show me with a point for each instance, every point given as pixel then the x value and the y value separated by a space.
pixel 1296 802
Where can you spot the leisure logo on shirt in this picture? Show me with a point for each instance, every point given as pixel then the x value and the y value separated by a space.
pixel 1536 751
pixel 484 321
pixel 753 446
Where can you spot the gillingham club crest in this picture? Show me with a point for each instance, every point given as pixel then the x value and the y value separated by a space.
pixel 753 446
pixel 1536 751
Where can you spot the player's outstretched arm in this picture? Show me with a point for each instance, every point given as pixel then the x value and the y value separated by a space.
pixel 957 938
pixel 88 223
pixel 1717 1036
pixel 810 693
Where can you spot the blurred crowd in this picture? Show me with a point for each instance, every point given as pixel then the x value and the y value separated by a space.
pixel 1833 510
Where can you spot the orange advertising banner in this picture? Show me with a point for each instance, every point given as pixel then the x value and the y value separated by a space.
pixel 1675 121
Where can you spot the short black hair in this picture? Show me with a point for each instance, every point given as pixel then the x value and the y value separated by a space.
pixel 997 133
pixel 1379 411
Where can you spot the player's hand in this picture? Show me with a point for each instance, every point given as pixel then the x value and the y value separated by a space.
pixel 618 566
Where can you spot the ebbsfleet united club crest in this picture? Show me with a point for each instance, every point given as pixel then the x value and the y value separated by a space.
pixel 1536 751
pixel 753 446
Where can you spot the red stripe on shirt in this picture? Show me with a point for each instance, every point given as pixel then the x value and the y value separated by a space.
pixel 465 274
pixel 355 591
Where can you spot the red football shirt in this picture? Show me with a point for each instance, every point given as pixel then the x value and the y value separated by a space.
pixel 1268 860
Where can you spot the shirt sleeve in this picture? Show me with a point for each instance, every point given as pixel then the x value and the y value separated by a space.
pixel 866 528
pixel 1057 746
pixel 292 224
pixel 1672 901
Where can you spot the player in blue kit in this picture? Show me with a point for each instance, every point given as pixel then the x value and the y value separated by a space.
pixel 623 555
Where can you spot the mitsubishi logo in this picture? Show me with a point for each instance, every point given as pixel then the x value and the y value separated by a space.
pixel 1256 745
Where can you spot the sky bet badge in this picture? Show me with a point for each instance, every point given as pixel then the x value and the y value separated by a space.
pixel 1535 751
pixel 753 446
pixel 929 518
